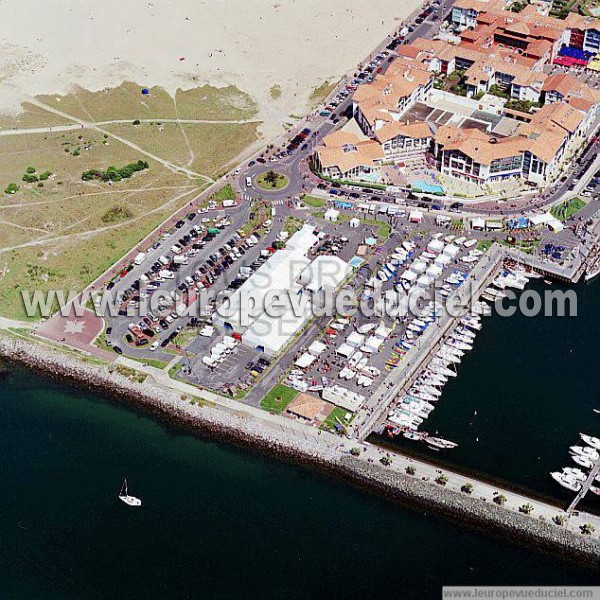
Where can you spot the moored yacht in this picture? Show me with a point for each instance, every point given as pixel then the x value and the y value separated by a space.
pixel 590 440
pixel 586 451
pixel 567 481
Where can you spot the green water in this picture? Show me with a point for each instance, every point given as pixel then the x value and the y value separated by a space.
pixel 216 521
pixel 521 398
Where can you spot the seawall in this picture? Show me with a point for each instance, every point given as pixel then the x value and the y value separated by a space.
pixel 168 405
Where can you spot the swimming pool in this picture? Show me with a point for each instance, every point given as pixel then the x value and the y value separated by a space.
pixel 421 184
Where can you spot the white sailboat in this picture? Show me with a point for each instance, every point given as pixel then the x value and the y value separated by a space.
pixel 126 498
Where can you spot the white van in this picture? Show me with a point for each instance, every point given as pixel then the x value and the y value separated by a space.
pixel 140 258
pixel 248 181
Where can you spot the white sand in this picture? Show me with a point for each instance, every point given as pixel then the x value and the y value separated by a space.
pixel 47 47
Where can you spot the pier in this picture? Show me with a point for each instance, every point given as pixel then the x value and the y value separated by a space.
pixel 399 380
pixel 585 488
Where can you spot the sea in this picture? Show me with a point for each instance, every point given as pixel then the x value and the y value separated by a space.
pixel 218 521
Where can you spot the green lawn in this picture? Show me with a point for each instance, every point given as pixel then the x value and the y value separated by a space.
pixel 292 224
pixel 278 398
pixel 337 417
pixel 314 202
pixel 564 210
pixel 263 182
pixel 485 245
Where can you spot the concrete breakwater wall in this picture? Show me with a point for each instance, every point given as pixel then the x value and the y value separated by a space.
pixel 252 433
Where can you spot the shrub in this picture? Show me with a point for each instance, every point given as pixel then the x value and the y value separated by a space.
pixel 467 488
pixel 410 470
pixel 11 188
pixel 30 170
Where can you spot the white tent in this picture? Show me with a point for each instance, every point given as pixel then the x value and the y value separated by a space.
pixel 373 343
pixel 409 275
pixel 382 331
pixel 435 246
pixel 305 361
pixel 317 348
pixel 478 223
pixel 345 350
pixel 547 219
pixel 332 215
pixel 424 281
pixel 343 397
pixel 325 272
pixel 451 250
pixel 416 216
pixel 442 260
pixel 434 271
pixel 419 267
pixel 354 223
pixel 355 339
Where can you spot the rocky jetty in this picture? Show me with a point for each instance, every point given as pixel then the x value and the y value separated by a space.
pixel 264 437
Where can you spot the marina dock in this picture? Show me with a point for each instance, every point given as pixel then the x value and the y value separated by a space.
pixel 400 379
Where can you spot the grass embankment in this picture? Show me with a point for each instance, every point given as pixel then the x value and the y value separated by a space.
pixel 484 245
pixel 278 398
pixel 313 202
pixel 565 210
pixel 321 92
pixel 292 224
pixel 62 232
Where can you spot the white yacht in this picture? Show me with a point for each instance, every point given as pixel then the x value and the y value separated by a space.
pixel 582 461
pixel 566 481
pixel 586 451
pixel 575 473
pixel 590 440
pixel 126 498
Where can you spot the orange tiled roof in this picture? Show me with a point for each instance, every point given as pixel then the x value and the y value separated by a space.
pixel 415 130
pixel 347 151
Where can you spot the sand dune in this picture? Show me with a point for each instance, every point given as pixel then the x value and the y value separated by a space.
pixel 297 44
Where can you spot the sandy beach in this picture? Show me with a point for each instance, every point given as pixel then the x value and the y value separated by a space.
pixel 253 44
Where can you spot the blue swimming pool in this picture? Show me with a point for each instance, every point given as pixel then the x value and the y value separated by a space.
pixel 421 184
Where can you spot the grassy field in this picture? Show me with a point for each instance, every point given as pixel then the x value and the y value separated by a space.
pixel 63 232
pixel 278 398
pixel 127 102
pixel 278 183
pixel 565 210
pixel 204 149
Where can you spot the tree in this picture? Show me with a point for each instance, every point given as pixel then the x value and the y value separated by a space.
pixel 467 488
pixel 526 509
pixel 441 480
pixel 11 188
pixel 500 500
pixel 355 451
pixel 271 177
pixel 30 170
pixel 587 529
pixel 410 470
pixel 137 122
pixel 559 519
pixel 386 461
pixel 29 178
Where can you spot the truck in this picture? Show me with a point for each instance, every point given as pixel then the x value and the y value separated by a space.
pixel 228 203
pixel 181 260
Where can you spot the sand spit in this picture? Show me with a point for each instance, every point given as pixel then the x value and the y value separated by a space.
pixel 49 47
pixel 259 436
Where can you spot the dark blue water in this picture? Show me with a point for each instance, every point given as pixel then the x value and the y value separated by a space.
pixel 533 384
pixel 216 521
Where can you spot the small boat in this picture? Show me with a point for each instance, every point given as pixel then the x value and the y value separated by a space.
pixel 440 443
pixel 592 441
pixel 411 435
pixel 547 282
pixel 126 498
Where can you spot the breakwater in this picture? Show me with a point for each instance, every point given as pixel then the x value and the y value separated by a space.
pixel 206 420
